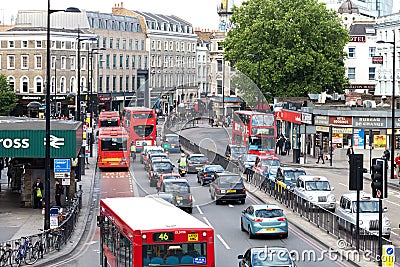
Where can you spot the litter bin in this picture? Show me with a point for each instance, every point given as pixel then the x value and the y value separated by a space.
pixel 296 155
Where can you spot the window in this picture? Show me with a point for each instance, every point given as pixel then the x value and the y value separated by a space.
pixel 108 83
pixel 107 61
pixel 352 52
pixel 24 44
pixel 72 84
pixel 127 83
pixel 371 73
pixel 133 62
pixel 127 62
pixel 73 45
pixel 53 84
pixel 142 45
pixel 145 62
pixel 114 61
pixel 39 44
pixel 182 46
pixel 38 62
pixel 24 62
pixel 72 62
pixel 171 45
pixel 121 84
pixel 219 62
pixel 136 44
pixel 152 61
pixel 193 47
pixel 165 45
pixel 153 45
pixel 62 85
pixel 159 45
pixel 111 43
pixel 53 62
pixel 117 44
pixel 371 51
pixel 38 85
pixel 63 62
pixel 83 63
pixel 219 46
pixel 105 42
pixel 62 45
pixel 121 61
pixel 11 44
pixel 101 83
pixel 24 85
pixel 124 44
pixel 130 44
pixel 114 83
pixel 351 73
pixel 177 46
pixel 53 44
pixel 139 62
pixel 11 82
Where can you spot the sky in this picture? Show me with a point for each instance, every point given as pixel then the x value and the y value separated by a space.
pixel 200 13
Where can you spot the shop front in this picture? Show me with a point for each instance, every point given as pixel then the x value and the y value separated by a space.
pixel 288 125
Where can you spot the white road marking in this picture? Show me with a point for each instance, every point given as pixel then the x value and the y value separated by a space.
pixel 231 206
pixel 207 222
pixel 343 184
pixel 394 203
pixel 394 233
pixel 193 199
pixel 198 208
pixel 223 242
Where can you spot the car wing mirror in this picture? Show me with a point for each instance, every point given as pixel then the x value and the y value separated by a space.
pixel 385 209
pixel 240 257
pixel 332 188
pixel 347 210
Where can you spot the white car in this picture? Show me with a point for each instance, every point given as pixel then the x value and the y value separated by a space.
pixel 315 189
pixel 369 214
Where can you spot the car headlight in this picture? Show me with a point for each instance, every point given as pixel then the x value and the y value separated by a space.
pixel 331 198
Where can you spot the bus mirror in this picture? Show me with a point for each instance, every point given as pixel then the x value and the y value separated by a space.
pixel 98 218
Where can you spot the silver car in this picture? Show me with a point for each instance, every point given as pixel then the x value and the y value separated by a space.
pixel 369 215
pixel 317 190
pixel 196 162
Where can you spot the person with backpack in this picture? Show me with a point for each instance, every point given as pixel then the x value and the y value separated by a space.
pixel 59 192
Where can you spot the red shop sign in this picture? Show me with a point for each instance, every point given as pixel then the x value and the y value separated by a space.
pixel 290 116
pixel 345 121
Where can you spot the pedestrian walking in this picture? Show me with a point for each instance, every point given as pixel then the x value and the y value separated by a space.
pixel 397 166
pixel 37 193
pixel 59 190
pixel 281 142
pixel 350 151
pixel 320 155
pixel 288 146
pixel 386 154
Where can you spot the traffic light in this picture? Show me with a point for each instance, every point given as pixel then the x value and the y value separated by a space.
pixel 379 178
pixel 356 177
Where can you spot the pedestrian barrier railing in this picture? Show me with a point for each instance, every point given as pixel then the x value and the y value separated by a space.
pixel 322 218
pixel 45 242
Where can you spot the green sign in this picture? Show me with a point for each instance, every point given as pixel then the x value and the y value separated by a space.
pixel 32 143
pixel 167 146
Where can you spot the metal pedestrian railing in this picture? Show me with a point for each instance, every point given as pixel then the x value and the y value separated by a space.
pixel 317 215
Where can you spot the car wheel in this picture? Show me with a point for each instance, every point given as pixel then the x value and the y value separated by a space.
pixel 285 235
pixel 241 225
pixel 251 236
pixel 190 210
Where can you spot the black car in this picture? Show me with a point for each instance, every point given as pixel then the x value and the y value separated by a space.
pixel 196 162
pixel 246 162
pixel 180 189
pixel 227 186
pixel 158 167
pixel 207 174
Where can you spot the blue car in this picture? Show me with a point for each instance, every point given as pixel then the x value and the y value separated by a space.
pixel 207 174
pixel 264 219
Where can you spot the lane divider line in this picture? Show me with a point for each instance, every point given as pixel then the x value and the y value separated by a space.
pixel 207 222
pixel 200 211
pixel 223 242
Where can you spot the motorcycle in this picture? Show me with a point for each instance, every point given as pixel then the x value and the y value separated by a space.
pixel 182 171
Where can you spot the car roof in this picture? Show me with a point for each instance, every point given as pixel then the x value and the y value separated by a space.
pixel 256 249
pixel 261 157
pixel 313 178
pixel 197 155
pixel 172 135
pixel 212 165
pixel 161 160
pixel 292 169
pixel 158 154
pixel 226 173
pixel 180 180
pixel 363 196
pixel 265 206
pixel 171 174
pixel 232 145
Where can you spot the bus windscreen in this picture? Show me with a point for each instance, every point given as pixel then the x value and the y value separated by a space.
pixel 143 130
pixel 113 144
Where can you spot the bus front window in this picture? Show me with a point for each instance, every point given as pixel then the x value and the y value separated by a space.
pixel 262 143
pixel 113 144
pixel 143 130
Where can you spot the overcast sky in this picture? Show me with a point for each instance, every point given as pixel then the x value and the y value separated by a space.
pixel 201 13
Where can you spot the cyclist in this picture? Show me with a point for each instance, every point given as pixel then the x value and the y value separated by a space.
pixel 133 151
pixel 182 161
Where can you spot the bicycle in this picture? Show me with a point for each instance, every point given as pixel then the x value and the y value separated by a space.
pixel 25 252
pixel 56 239
pixel 6 256
pixel 42 244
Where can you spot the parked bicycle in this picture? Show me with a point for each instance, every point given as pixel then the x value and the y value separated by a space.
pixel 25 252
pixel 6 258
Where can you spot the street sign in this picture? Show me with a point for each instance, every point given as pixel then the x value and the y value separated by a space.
pixel 377 60
pixel 65 181
pixel 388 255
pixel 62 175
pixel 62 165
pixel 54 218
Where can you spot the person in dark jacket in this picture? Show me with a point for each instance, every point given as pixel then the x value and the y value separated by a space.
pixel 58 192
pixel 288 146
pixel 37 191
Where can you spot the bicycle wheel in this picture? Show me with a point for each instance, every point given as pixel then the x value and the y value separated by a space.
pixel 39 248
pixel 31 255
pixel 16 258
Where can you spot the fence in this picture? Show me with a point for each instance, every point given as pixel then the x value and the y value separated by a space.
pixel 65 229
pixel 320 217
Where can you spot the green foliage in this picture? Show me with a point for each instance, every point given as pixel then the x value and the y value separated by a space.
pixel 8 98
pixel 300 45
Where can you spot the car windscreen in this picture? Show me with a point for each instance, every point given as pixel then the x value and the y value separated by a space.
pixel 268 257
pixel 238 150
pixel 250 158
pixel 180 187
pixel 158 156
pixel 234 179
pixel 291 175
pixel 318 186
pixel 367 206
pixel 268 213
pixel 270 162
pixel 172 139
pixel 162 166
pixel 166 177
pixel 198 159
pixel 214 169
pixel 113 144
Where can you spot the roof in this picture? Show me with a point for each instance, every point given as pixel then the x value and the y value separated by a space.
pixel 362 29
pixel 348 7
pixel 197 155
pixel 154 214
pixel 251 112
pixel 353 196
pixel 226 173
pixel 179 180
pixel 21 123
pixel 265 206
pixel 312 177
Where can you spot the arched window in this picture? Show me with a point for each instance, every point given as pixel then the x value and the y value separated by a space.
pixel 24 87
pixel 11 82
pixel 83 84
pixel 53 84
pixel 38 85
pixel 72 85
pixel 62 85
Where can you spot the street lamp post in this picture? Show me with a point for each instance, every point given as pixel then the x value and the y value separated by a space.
pixel 392 139
pixel 47 147
pixel 258 77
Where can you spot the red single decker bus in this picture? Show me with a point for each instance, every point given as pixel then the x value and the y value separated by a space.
pixel 141 124
pixel 149 231
pixel 109 119
pixel 113 150
pixel 255 130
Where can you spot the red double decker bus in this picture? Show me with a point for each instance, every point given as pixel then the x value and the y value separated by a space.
pixel 143 231
pixel 109 119
pixel 255 130
pixel 113 149
pixel 141 124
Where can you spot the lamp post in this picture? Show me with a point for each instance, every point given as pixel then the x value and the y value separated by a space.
pixel 55 87
pixel 47 147
pixel 258 77
pixel 392 139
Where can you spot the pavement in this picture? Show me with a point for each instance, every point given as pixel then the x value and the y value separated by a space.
pixel 17 221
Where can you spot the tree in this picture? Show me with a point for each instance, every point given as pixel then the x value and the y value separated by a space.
pixel 300 45
pixel 8 98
